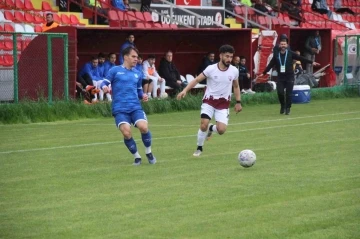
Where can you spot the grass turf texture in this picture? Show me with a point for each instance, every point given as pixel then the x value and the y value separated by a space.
pixel 75 179
pixel 41 111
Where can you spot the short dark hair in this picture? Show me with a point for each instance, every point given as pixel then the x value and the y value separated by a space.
pixel 226 49
pixel 140 56
pixel 284 40
pixel 49 14
pixel 101 55
pixel 128 49
pixel 242 57
pixel 168 51
pixel 151 56
pixel 94 58
pixel 111 53
pixel 210 52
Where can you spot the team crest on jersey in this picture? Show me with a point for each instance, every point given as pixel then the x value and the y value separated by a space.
pixel 136 75
pixel 229 78
pixel 215 77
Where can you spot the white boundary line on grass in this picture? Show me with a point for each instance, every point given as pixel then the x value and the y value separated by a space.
pixel 176 137
pixel 248 122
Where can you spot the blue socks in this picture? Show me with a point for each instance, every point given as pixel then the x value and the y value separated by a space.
pixel 131 145
pixel 146 138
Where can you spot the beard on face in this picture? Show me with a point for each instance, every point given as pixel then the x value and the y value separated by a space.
pixel 225 64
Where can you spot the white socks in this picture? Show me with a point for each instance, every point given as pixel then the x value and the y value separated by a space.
pixel 201 136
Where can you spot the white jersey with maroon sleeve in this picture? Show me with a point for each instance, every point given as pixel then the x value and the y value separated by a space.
pixel 219 85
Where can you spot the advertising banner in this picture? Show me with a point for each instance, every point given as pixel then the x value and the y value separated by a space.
pixel 209 15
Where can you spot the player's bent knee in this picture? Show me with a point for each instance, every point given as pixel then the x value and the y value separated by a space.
pixel 142 126
pixel 204 126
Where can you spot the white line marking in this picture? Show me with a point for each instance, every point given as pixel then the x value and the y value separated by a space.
pixel 248 122
pixel 175 137
pixel 78 122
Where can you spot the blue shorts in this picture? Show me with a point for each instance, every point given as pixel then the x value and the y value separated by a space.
pixel 130 118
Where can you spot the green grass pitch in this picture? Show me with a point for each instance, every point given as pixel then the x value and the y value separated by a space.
pixel 75 179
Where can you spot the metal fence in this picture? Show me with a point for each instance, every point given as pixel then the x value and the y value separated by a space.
pixel 33 66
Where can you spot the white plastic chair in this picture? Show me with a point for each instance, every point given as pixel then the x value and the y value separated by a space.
pixel 190 78
pixel 182 78
pixel 19 28
pixel 29 28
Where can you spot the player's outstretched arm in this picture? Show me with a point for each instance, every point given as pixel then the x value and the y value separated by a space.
pixel 191 85
pixel 237 94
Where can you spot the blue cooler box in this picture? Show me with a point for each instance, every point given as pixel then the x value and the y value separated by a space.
pixel 301 94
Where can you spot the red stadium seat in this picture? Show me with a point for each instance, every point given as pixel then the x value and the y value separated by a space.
pixel 45 6
pixel 9 45
pixel 238 10
pixel 56 17
pixel 40 19
pixel 8 60
pixel 75 21
pixel 9 16
pixel 9 4
pixel 8 27
pixel 2 47
pixel 29 6
pixel 19 4
pixel 261 20
pixel 140 16
pixel 148 17
pixel 114 20
pixel 19 17
pixel 123 18
pixel 65 19
pixel 131 16
pixel 29 18
pixel 275 21
pixel 173 26
pixel 37 28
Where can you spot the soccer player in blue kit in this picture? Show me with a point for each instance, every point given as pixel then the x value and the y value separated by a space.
pixel 126 107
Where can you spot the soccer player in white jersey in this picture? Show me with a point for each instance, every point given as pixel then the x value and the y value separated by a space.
pixel 221 77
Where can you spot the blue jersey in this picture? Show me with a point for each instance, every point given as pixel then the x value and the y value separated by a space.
pixel 92 71
pixel 126 89
pixel 101 68
pixel 107 66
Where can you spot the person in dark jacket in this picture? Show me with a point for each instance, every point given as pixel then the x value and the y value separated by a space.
pixel 170 73
pixel 207 61
pixel 312 47
pixel 244 76
pixel 283 62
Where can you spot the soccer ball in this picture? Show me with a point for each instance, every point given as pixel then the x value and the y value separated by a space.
pixel 247 158
pixel 164 95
